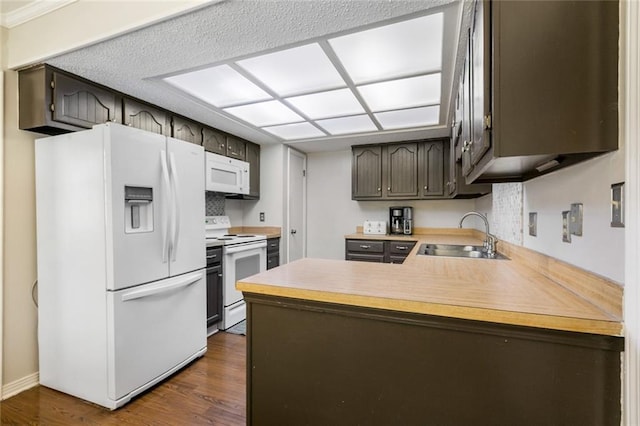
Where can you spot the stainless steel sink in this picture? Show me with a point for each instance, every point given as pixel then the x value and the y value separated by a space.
pixel 453 250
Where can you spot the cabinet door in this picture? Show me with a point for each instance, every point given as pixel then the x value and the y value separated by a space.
pixel 142 116
pixel 432 157
pixel 81 104
pixel 273 260
pixel 236 148
pixel 186 130
pixel 402 170
pixel 253 158
pixel 214 294
pixel 480 50
pixel 214 141
pixel 465 133
pixel 366 172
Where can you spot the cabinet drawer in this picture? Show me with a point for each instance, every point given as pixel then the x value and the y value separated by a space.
pixel 362 257
pixel 273 245
pixel 401 247
pixel 365 246
pixel 397 259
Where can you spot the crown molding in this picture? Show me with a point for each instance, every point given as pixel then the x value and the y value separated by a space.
pixel 31 11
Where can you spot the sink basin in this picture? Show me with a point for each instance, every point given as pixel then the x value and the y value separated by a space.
pixel 454 250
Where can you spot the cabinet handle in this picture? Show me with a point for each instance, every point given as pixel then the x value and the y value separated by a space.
pixel 220 275
pixel 273 245
pixel 379 189
pixel 401 247
pixel 362 246
pixel 425 188
pixel 212 257
pixel 388 188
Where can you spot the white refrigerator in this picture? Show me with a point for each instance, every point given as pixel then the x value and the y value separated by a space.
pixel 121 261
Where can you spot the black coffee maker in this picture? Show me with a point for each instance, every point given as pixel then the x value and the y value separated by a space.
pixel 401 220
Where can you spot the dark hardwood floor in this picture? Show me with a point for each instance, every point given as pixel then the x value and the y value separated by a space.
pixel 211 390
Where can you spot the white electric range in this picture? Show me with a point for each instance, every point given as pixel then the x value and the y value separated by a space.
pixel 243 255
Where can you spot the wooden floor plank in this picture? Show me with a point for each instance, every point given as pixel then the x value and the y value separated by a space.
pixel 211 390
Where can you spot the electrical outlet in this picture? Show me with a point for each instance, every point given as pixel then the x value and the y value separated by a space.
pixel 533 224
pixel 617 205
pixel 575 224
pixel 566 236
pixel 261 216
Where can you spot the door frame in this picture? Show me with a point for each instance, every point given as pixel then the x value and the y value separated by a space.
pixel 630 139
pixel 287 222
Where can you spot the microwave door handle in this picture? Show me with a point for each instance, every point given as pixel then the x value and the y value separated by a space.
pixel 165 206
pixel 176 206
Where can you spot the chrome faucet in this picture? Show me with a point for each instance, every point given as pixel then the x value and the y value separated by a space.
pixel 490 240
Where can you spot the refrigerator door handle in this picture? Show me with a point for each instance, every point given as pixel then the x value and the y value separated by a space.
pixel 165 209
pixel 163 288
pixel 176 205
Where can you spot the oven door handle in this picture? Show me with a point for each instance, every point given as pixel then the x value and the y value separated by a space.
pixel 245 247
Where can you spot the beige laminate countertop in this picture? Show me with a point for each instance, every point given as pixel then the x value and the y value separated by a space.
pixel 501 291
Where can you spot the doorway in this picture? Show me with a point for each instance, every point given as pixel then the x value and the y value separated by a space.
pixel 296 216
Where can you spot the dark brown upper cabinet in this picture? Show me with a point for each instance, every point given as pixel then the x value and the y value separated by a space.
pixel 400 166
pixel 366 172
pixel 214 141
pixel 54 102
pixel 431 164
pixel 253 158
pixel 236 148
pixel 544 87
pixel 186 130
pixel 146 117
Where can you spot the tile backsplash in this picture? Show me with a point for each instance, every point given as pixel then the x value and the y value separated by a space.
pixel 214 203
pixel 506 215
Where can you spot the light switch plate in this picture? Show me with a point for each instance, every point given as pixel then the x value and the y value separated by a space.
pixel 617 205
pixel 566 236
pixel 533 224
pixel 575 224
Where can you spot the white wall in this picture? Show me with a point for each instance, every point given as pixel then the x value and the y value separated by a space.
pixel 271 189
pixel 331 213
pixel 601 248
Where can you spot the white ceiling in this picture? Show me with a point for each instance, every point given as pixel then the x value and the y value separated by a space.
pixel 132 63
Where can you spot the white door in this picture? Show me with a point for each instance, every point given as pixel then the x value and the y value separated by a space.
pixel 134 163
pixel 187 236
pixel 296 205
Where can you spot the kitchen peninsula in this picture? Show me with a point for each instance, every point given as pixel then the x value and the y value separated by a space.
pixel 436 340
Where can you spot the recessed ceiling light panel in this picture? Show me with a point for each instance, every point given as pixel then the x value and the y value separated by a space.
pixel 348 125
pixel 327 104
pixel 395 50
pixel 219 86
pixel 408 118
pixel 265 113
pixel 295 131
pixel 293 71
pixel 404 93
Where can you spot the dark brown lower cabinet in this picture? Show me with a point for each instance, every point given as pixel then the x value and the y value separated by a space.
pixel 382 251
pixel 317 363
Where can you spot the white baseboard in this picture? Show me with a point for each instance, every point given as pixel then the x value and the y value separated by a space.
pixel 14 388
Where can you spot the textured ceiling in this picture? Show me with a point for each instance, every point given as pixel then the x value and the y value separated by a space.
pixel 223 30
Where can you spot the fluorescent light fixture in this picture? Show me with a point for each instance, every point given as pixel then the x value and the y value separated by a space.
pixel 295 131
pixel 404 93
pixel 327 104
pixel 407 118
pixel 347 125
pixel 219 86
pixel 265 113
pixel 394 50
pixel 293 71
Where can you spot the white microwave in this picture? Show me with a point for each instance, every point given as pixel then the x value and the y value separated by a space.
pixel 224 174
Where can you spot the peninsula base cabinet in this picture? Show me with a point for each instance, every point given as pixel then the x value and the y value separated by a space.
pixel 318 363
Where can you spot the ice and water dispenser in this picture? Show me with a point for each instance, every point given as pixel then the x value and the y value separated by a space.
pixel 138 209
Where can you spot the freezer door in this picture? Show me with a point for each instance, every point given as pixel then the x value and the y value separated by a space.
pixel 139 194
pixel 154 328
pixel 187 246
